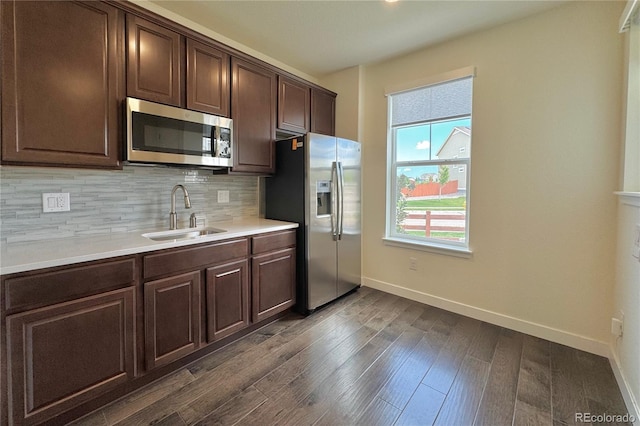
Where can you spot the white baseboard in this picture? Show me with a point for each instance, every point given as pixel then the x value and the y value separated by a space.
pixel 542 331
pixel 629 399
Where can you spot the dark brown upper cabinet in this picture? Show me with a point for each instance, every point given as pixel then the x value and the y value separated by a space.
pixel 207 79
pixel 253 109
pixel 294 105
pixel 323 112
pixel 62 84
pixel 155 65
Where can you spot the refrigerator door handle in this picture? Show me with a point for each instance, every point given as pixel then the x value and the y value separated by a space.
pixel 340 199
pixel 334 201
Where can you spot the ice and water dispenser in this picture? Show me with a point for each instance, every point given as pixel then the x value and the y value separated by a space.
pixel 323 197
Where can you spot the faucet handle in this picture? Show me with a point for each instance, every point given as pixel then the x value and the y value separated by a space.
pixel 196 220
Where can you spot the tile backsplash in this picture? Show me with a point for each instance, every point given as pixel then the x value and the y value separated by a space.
pixel 104 202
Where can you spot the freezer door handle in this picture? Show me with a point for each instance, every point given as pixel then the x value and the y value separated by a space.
pixel 340 200
pixel 334 201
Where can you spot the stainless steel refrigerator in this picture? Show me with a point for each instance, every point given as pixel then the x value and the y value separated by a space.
pixel 317 184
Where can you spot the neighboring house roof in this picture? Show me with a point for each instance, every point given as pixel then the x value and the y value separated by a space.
pixel 458 129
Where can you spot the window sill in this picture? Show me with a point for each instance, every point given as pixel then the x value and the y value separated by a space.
pixel 430 247
pixel 630 198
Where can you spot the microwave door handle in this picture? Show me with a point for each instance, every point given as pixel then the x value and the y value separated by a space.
pixel 215 134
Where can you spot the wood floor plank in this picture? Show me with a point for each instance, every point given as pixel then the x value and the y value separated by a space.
pixel 499 397
pixel 224 387
pixel 567 391
pixel 96 418
pixel 171 420
pixel 399 389
pixel 461 403
pixel 444 369
pixel 389 307
pixel 271 383
pixel 534 384
pixel 528 415
pixel 236 409
pixel 352 403
pixel 149 394
pixel 379 413
pixel 484 344
pixel 318 402
pixel 596 408
pixel 423 407
pixel 290 394
pixel 428 318
pixel 600 384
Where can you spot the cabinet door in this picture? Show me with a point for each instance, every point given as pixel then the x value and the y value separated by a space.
pixel 62 83
pixel 207 79
pixel 171 318
pixel 323 112
pixel 273 283
pixel 155 62
pixel 66 354
pixel 293 105
pixel 253 109
pixel 227 299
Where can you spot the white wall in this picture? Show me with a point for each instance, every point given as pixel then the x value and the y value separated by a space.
pixel 545 148
pixel 348 84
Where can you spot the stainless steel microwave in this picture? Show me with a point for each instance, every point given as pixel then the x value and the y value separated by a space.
pixel 164 134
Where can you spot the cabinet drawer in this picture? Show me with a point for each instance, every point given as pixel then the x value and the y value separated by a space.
pixel 54 287
pixel 270 242
pixel 172 261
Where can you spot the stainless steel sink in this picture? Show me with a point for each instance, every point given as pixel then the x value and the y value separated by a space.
pixel 182 234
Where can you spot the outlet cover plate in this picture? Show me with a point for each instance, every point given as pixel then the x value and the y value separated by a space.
pixel 55 202
pixel 223 196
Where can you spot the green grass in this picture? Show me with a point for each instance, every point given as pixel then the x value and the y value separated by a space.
pixel 445 203
pixel 438 234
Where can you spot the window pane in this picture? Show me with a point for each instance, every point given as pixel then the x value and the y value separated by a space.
pixel 428 209
pixel 413 143
pixel 452 139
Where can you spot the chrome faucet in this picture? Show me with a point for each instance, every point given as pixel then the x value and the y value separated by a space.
pixel 173 216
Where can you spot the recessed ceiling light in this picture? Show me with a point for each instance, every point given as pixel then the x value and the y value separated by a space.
pixel 391 1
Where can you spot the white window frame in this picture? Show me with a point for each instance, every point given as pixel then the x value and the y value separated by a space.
pixel 453 248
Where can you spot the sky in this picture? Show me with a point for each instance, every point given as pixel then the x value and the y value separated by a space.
pixel 422 142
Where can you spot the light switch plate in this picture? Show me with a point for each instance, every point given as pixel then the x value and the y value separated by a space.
pixel 55 202
pixel 223 196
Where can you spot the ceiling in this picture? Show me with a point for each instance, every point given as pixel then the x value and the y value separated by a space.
pixel 320 37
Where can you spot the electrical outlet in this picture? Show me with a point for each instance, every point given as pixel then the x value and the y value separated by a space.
pixel 617 326
pixel 413 264
pixel 223 196
pixel 55 202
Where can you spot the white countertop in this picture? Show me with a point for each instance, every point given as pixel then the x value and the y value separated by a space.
pixel 27 256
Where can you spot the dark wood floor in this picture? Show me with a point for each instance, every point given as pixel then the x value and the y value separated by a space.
pixel 377 359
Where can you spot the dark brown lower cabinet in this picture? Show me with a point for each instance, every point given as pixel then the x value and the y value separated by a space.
pixel 65 354
pixel 273 283
pixel 227 299
pixel 171 318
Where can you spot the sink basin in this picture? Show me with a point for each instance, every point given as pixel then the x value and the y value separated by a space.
pixel 182 234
